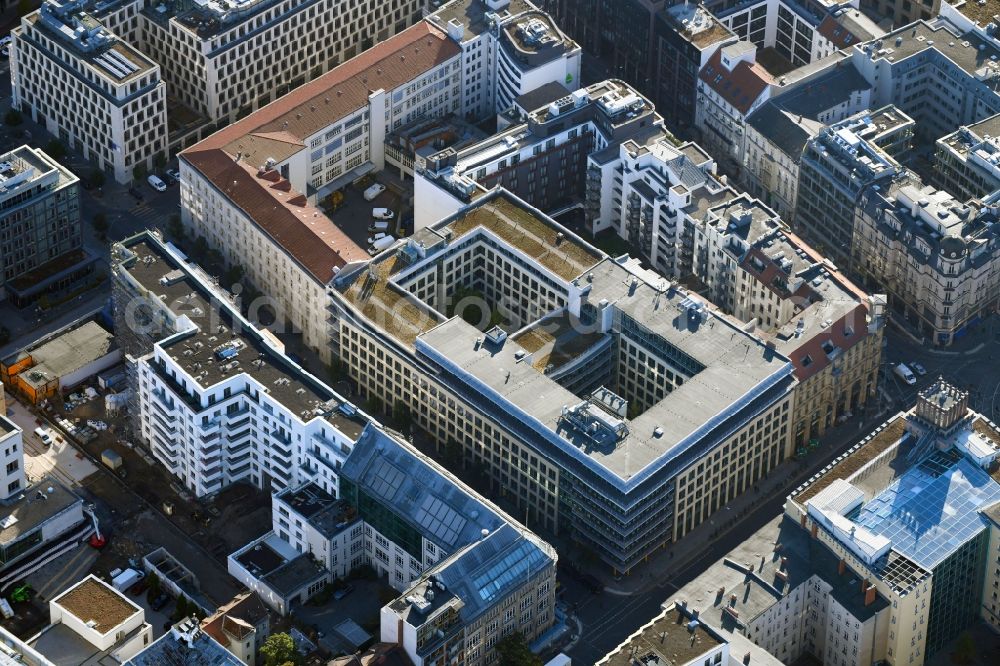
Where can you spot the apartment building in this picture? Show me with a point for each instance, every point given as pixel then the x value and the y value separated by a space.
pixel 878 509
pixel 753 268
pixel 12 481
pixel 662 640
pixel 935 256
pixel 216 400
pixel 41 242
pixel 835 167
pixel 777 132
pixel 544 160
pixel 458 562
pixel 649 190
pixel 89 87
pixel 967 161
pixel 509 48
pixel 686 37
pixel 903 12
pixel 565 418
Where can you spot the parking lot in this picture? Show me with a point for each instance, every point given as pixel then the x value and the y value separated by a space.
pixel 353 215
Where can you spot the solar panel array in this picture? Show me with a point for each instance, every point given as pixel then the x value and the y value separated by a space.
pixel 508 571
pixel 117 64
pixel 440 520
pixel 385 479
pixel 932 509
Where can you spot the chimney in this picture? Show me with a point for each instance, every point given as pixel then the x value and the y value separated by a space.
pixel 399 632
pixel 842 566
pixel 815 529
pixel 869 595
pixel 803 520
pixel 864 585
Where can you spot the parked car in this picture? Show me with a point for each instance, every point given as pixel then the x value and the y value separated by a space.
pixel 343 592
pixel 378 226
pixel 905 374
pixel 160 601
pixel 918 368
pixel 372 239
pixel 374 191
pixel 156 183
pixel 173 175
pixel 135 193
pixel 382 214
pixel 44 435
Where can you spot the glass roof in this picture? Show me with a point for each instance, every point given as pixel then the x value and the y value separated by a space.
pixel 933 508
pixel 505 572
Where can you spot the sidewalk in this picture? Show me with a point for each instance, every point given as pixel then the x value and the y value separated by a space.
pixel 782 480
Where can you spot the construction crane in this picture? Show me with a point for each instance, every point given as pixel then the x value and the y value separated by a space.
pixel 97 540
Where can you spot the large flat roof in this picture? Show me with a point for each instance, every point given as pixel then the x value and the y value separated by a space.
pixel 32 510
pixel 65 353
pixel 670 638
pixel 93 601
pixel 734 364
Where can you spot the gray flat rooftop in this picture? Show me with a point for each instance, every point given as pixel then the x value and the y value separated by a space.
pixel 969 52
pixel 294 575
pixel 32 510
pixel 472 14
pixel 324 512
pixel 670 638
pixel 733 364
pixel 66 353
pixel 171 649
pixel 222 347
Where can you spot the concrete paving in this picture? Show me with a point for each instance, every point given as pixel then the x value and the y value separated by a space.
pixel 60 459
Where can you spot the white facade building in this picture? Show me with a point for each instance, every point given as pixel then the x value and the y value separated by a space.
pixel 89 88
pixel 12 463
pixel 218 400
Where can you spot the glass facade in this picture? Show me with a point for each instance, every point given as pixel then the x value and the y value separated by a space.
pixel 957 592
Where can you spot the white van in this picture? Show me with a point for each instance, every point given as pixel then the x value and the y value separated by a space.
pixel 905 374
pixel 374 191
pixel 156 183
pixel 43 435
pixel 382 214
pixel 376 237
pixel 378 226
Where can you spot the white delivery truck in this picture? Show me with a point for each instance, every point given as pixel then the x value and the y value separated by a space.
pixel 379 226
pixel 127 579
pixel 905 374
pixel 381 244
pixel 374 191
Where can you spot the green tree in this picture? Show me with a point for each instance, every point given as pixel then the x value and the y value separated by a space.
pixel 234 274
pixel 401 418
pixel 513 651
pixel 97 178
pixel 56 149
pixel 200 246
pixel 13 117
pixel 181 609
pixel 23 7
pixel 175 228
pixel 160 160
pixel 139 171
pixel 279 649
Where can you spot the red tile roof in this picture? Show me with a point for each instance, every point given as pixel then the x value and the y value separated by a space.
pixel 740 87
pixel 279 130
pixel 840 36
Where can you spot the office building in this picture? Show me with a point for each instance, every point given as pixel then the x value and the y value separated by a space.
pixel 990 611
pixel 967 161
pixel 687 35
pixel 793 33
pixel 933 255
pixel 621 34
pixel 89 87
pixel 509 48
pixel 835 167
pixel 879 509
pixel 565 416
pixel 92 623
pixel 224 60
pixel 216 400
pixel 903 12
pixel 456 559
pixel 41 251
pixel 185 643
pixel 777 132
pixel 543 160
pixel 756 270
